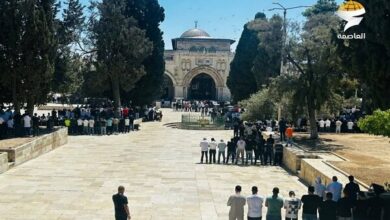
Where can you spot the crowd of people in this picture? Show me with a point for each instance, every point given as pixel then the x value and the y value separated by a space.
pixel 82 120
pixel 321 201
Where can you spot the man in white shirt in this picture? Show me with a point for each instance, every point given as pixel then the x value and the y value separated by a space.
pixel 80 126
pixel 213 150
pixel 255 205
pixel 335 188
pixel 338 126
pixel 292 206
pixel 221 151
pixel 240 150
pixel 127 125
pixel 85 126
pixel 327 125
pixel 91 124
pixel 204 147
pixel 322 125
pixel 350 126
pixel 319 188
pixel 27 124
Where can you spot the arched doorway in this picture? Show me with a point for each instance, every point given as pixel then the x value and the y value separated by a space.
pixel 202 87
pixel 168 91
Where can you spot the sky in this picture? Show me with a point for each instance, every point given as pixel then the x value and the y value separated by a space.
pixel 220 18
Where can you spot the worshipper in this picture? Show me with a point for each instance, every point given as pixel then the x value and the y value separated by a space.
pixel 360 208
pixel 335 188
pixel 109 126
pixel 236 203
pixel 127 125
pixel 27 125
pixel 338 126
pixel 85 126
pixel 327 125
pixel 35 123
pixel 350 125
pixel 79 126
pixel 344 207
pixel 278 155
pixel 221 151
pixel 328 208
pixel 311 203
pixel 274 204
pixel 91 125
pixel 231 145
pixel 292 206
pixel 282 129
pixel 352 189
pixel 103 126
pixel 204 147
pixel 259 151
pixel 319 188
pixel 269 150
pixel 213 150
pixel 255 205
pixel 121 205
pixel 248 149
pixel 321 124
pixel 241 144
pixel 289 135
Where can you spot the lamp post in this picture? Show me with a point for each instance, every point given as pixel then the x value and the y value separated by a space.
pixel 284 39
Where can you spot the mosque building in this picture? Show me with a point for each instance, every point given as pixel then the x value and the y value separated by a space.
pixel 197 67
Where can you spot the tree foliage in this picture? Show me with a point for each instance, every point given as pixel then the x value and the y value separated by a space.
pixel 121 48
pixel 369 60
pixel 378 123
pixel 260 105
pixel 149 15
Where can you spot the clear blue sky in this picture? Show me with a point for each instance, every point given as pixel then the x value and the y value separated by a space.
pixel 220 18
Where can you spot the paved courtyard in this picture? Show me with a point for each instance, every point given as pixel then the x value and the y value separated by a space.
pixel 159 167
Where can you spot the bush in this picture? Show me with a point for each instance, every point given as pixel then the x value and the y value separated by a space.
pixel 378 123
pixel 259 106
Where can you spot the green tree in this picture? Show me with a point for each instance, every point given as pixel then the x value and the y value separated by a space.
pixel 321 7
pixel 121 48
pixel 317 68
pixel 241 80
pixel 378 123
pixel 149 15
pixel 268 59
pixel 260 105
pixel 369 60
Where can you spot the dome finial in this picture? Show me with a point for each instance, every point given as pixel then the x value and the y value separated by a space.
pixel 196 24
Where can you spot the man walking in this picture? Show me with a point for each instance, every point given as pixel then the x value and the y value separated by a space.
pixel 335 188
pixel 274 204
pixel 255 205
pixel 213 150
pixel 289 135
pixel 221 151
pixel 121 205
pixel 204 146
pixel 236 203
pixel 311 203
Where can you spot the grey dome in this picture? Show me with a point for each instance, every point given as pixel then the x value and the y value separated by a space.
pixel 195 33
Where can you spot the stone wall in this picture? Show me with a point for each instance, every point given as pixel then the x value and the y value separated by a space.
pixel 292 158
pixel 309 172
pixel 37 147
pixel 3 162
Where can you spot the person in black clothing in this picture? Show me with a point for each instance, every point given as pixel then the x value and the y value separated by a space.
pixel 344 206
pixel 231 145
pixel 235 128
pixel 352 188
pixel 260 150
pixel 376 205
pixel 242 129
pixel 361 207
pixel 269 150
pixel 311 202
pixel 282 129
pixel 35 123
pixel 248 149
pixel 120 203
pixel 328 208
pixel 278 157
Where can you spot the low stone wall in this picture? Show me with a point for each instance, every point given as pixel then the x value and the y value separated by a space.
pixel 309 173
pixel 292 158
pixel 37 147
pixel 3 162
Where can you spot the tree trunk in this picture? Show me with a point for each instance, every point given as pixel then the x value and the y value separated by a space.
pixel 15 100
pixel 30 106
pixel 116 95
pixel 313 123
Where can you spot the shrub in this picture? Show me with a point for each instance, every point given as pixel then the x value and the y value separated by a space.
pixel 378 123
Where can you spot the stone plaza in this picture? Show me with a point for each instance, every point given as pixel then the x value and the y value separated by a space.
pixel 159 166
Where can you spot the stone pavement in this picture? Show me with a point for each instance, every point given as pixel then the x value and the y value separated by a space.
pixel 159 167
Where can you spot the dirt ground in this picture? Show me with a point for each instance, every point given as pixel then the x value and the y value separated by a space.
pixel 368 155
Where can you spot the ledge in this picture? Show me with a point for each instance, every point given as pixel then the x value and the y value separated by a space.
pixel 3 162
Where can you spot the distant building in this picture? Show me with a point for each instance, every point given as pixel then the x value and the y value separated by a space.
pixel 197 67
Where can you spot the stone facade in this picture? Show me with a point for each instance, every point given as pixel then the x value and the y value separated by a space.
pixel 3 162
pixel 37 147
pixel 195 53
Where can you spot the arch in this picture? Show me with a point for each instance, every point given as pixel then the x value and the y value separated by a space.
pixel 202 87
pixel 219 82
pixel 170 75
